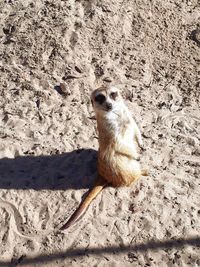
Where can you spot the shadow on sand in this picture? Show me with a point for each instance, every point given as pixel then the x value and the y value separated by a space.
pixel 75 253
pixel 73 170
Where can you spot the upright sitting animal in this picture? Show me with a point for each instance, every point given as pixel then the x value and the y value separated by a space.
pixel 118 159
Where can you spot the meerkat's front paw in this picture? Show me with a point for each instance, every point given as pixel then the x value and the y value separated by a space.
pixel 136 156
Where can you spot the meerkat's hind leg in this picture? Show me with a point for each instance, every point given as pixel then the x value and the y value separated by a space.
pixel 137 176
pixel 144 172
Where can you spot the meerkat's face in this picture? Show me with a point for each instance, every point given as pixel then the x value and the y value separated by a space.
pixel 106 99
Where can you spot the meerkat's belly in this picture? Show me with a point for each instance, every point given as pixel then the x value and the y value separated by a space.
pixel 119 170
pixel 117 157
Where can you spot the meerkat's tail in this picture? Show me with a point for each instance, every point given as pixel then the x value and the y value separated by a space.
pixel 98 187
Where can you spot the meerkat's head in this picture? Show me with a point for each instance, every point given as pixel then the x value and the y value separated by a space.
pixel 106 99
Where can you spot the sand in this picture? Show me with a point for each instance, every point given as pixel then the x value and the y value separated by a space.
pixel 53 54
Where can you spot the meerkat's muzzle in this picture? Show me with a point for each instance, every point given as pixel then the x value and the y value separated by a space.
pixel 108 106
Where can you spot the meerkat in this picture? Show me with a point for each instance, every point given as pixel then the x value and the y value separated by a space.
pixel 119 136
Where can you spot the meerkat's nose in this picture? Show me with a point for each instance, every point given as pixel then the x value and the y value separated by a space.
pixel 108 106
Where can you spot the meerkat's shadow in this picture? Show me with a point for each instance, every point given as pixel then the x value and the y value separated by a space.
pixel 73 170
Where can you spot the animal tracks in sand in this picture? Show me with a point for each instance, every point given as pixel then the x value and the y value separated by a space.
pixel 16 222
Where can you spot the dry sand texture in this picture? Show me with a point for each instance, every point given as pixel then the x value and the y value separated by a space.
pixel 53 53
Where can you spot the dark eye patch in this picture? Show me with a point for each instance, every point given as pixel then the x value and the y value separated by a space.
pixel 113 95
pixel 100 98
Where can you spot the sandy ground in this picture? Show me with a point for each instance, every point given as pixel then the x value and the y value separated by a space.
pixel 53 54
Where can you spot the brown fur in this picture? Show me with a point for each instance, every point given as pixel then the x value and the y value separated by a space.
pixel 117 160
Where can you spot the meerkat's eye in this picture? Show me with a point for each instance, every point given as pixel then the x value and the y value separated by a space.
pixel 100 98
pixel 113 95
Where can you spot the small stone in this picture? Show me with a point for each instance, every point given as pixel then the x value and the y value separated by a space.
pixel 78 69
pixel 62 89
pixel 107 79
pixel 195 36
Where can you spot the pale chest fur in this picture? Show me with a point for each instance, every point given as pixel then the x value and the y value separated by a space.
pixel 121 121
pixel 117 127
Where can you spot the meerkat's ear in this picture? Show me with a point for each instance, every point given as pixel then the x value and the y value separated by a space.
pixel 92 102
